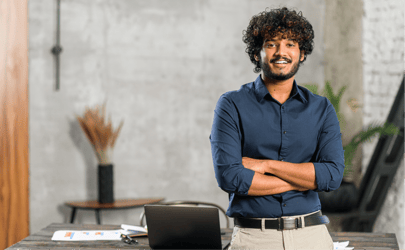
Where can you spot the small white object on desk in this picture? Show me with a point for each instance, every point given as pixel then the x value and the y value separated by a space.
pixel 134 231
pixel 341 245
pixel 134 228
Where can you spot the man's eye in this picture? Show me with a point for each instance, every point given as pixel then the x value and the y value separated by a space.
pixel 269 45
pixel 290 45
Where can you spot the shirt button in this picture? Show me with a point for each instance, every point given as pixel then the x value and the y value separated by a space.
pixel 281 159
pixel 285 132
pixel 284 205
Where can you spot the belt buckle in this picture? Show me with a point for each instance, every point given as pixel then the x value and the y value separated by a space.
pixel 287 223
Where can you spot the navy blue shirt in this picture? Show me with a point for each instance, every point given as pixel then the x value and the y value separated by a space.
pixel 249 122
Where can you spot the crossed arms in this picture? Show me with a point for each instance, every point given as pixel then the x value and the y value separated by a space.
pixel 246 176
pixel 285 176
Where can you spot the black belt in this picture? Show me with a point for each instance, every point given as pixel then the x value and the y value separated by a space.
pixel 285 223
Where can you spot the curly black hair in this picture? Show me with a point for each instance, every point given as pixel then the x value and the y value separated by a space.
pixel 270 23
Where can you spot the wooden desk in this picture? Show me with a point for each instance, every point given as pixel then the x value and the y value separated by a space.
pixel 118 204
pixel 42 239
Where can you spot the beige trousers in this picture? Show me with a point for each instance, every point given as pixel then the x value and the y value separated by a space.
pixel 308 238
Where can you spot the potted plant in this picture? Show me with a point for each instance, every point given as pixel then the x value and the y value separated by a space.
pixel 345 197
pixel 102 137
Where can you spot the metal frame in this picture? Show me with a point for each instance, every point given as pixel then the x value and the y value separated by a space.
pixel 57 49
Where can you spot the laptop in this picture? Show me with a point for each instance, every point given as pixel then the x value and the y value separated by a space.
pixel 183 227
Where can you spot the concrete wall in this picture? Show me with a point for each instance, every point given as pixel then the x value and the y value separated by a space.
pixel 343 59
pixel 343 68
pixel 383 68
pixel 161 66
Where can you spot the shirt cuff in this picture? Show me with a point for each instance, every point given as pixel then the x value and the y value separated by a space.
pixel 321 174
pixel 246 181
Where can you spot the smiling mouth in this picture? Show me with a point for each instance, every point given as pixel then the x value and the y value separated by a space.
pixel 280 61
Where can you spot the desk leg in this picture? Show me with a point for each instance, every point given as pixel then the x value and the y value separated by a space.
pixel 98 216
pixel 72 215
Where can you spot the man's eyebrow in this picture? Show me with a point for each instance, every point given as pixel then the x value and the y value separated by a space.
pixel 274 40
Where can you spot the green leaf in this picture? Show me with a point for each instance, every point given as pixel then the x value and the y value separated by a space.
pixel 334 99
pixel 312 87
pixel 366 135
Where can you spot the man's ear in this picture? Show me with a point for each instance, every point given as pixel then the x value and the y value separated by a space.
pixel 257 58
pixel 302 57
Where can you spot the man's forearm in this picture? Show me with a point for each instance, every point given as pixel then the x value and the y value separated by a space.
pixel 269 185
pixel 297 174
pixel 301 174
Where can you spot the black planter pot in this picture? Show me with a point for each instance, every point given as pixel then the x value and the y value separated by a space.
pixel 340 200
pixel 105 183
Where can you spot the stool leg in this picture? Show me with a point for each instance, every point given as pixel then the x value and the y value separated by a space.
pixel 98 216
pixel 72 215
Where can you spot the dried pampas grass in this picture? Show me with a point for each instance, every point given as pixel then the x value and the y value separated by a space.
pixel 101 134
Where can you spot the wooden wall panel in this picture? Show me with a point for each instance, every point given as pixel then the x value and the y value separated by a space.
pixel 14 162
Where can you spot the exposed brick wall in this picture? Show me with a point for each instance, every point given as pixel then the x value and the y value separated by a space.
pixel 383 65
pixel 383 57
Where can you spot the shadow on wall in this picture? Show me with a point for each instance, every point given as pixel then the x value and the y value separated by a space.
pixel 85 149
pixel 65 212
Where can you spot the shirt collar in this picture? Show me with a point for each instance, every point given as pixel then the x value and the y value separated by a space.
pixel 261 90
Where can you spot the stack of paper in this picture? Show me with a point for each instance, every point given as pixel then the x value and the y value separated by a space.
pixel 134 231
pixel 341 245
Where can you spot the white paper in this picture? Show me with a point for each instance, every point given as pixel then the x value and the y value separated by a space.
pixel 133 229
pixel 73 235
pixel 341 245
pixel 83 235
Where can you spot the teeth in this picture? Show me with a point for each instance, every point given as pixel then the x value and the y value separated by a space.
pixel 281 62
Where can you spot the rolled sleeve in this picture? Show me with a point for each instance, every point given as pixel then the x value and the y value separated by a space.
pixel 329 164
pixel 231 175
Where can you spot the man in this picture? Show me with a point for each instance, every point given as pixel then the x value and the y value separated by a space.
pixel 275 144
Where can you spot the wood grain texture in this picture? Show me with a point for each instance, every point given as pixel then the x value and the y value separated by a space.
pixel 42 239
pixel 14 170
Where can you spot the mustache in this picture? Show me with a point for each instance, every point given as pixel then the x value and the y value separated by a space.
pixel 278 58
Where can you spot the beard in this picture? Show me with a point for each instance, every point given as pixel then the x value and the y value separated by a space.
pixel 272 75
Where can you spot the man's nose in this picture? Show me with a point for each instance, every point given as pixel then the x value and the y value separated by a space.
pixel 281 50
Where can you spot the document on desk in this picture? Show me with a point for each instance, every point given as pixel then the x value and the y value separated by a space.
pixel 84 235
pixel 72 235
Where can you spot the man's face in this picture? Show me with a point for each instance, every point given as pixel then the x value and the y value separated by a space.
pixel 280 58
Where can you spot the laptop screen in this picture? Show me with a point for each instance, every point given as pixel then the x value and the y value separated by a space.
pixel 183 227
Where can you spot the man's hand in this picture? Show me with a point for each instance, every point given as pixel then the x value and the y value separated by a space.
pixel 258 166
pixel 269 185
